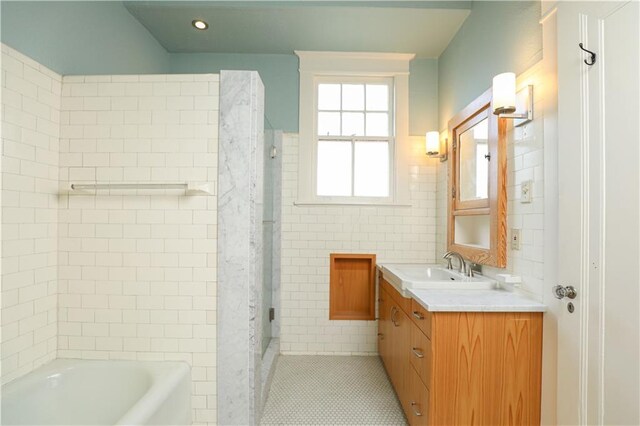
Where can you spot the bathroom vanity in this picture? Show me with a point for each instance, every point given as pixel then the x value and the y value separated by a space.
pixel 457 349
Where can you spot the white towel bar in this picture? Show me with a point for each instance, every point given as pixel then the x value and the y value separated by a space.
pixel 190 188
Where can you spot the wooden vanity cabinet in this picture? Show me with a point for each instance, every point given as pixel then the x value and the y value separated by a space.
pixel 461 368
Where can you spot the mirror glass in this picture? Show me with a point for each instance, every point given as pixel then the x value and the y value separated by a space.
pixel 473 146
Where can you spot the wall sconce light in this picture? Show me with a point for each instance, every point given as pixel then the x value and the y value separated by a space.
pixel 432 146
pixel 506 101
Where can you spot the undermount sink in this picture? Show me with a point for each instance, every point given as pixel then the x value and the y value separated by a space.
pixel 405 276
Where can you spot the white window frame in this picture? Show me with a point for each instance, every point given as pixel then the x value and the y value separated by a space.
pixel 390 139
pixel 344 67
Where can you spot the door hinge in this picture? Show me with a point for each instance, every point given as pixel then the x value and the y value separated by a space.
pixel 453 192
pixel 272 314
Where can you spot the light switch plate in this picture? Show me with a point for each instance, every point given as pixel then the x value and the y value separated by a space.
pixel 525 191
pixel 515 239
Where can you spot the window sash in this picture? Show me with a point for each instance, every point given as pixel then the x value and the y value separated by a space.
pixel 390 139
pixel 353 141
pixel 386 81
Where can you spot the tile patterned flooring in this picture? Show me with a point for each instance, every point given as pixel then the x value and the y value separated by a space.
pixel 331 390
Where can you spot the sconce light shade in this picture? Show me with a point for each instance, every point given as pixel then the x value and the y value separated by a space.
pixel 432 146
pixel 506 101
pixel 504 93
pixel 432 143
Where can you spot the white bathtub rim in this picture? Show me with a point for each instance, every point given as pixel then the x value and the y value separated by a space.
pixel 172 373
pixel 145 407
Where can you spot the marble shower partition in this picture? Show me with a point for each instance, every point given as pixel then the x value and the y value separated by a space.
pixel 241 150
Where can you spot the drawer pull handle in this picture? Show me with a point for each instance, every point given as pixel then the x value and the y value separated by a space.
pixel 381 336
pixel 415 411
pixel 394 311
pixel 417 353
pixel 418 315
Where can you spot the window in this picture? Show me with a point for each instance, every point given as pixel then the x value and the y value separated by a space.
pixel 354 144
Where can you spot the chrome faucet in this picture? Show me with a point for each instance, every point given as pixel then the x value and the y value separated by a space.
pixel 461 264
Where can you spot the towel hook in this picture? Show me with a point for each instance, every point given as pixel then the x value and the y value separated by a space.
pixel 591 54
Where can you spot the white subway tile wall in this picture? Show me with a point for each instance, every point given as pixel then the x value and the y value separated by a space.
pixel 524 163
pixel 311 233
pixel 137 273
pixel 30 137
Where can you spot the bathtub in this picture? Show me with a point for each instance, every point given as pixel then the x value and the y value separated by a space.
pixel 82 392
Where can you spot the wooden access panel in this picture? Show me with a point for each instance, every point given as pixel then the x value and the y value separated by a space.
pixel 352 287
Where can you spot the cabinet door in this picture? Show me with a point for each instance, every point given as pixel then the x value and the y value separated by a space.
pixel 401 351
pixel 384 337
pixel 392 352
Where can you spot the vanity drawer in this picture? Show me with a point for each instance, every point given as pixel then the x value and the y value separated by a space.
pixel 421 355
pixel 421 317
pixel 418 398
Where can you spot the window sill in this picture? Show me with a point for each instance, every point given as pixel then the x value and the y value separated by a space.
pixel 352 203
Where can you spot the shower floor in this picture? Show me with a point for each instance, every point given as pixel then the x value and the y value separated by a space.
pixel 336 390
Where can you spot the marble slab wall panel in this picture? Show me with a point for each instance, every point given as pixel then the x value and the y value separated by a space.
pixel 241 150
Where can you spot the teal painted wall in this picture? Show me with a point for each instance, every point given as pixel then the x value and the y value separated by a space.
pixel 103 38
pixel 81 37
pixel 279 74
pixel 423 96
pixel 496 37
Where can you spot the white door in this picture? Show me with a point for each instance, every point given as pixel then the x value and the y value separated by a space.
pixel 599 213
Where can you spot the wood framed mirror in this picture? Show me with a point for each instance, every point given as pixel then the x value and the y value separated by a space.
pixel 477 213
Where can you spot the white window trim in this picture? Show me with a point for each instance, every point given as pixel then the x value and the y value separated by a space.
pixel 356 64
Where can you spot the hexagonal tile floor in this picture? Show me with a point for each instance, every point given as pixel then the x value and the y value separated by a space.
pixel 331 390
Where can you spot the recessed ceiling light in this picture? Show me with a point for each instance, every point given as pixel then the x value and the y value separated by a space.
pixel 199 24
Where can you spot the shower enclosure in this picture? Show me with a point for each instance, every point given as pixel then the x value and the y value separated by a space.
pixel 270 234
pixel 272 189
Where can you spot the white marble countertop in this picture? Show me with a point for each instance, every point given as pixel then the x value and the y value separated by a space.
pixel 497 300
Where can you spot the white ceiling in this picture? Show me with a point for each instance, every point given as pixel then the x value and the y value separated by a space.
pixel 424 28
